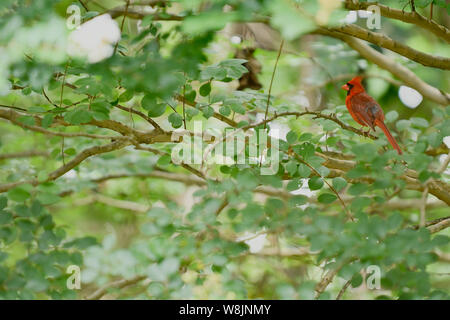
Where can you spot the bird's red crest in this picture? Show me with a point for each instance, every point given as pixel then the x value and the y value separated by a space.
pixel 354 86
pixel 356 80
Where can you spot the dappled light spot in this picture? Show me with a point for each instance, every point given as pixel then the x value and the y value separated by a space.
pixel 410 97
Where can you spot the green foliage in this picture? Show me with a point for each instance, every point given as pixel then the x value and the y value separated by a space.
pixel 35 252
pixel 103 191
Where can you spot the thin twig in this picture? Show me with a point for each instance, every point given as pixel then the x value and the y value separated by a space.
pixel 270 90
pixel 344 288
pixel 62 86
pixel 120 284
pixel 142 115
pixel 62 151
pixel 184 103
pixel 271 81
pixel 84 6
pixel 12 107
pixel 423 205
pixel 347 211
pixel 48 99
pixel 121 26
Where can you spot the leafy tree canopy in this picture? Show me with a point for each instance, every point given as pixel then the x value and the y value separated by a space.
pixel 100 100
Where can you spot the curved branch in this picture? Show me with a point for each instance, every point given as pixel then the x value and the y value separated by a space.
pixel 408 17
pixel 316 114
pixel 438 188
pixel 115 203
pixel 13 117
pixel 386 42
pixel 401 72
pixel 142 115
pixel 120 284
pixel 216 115
pixel 89 152
pixel 24 154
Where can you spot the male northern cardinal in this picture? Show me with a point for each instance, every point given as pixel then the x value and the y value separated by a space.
pixel 365 110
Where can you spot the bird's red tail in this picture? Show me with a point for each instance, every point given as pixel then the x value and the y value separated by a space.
pixel 388 135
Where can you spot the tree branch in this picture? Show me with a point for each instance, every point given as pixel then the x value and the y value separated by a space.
pixel 386 42
pixel 116 203
pixel 142 115
pixel 216 115
pixel 316 115
pixel 13 116
pixel 119 284
pixel 438 188
pixel 408 17
pixel 71 164
pixel 401 72
pixel 24 154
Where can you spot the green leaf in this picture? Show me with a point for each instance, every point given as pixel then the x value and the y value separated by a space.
pixel 306 150
pixel 422 3
pixel 291 168
pixel 81 243
pixel 435 139
pixel 360 203
pixel 27 120
pixel 357 280
pixel 153 108
pixel 100 110
pixel 294 184
pixel 190 95
pixel 48 198
pixel 164 160
pixel 47 120
pixel 357 189
pixel 236 106
pixel 315 183
pixel 147 20
pixel 205 89
pixel 26 91
pixel 298 200
pixel 70 151
pixel 176 120
pixel 18 194
pixel 22 211
pixel 170 265
pixel 291 137
pixel 208 20
pixel 303 170
pixel 78 115
pixel 339 183
pixel 391 116
pixel 3 202
pixel 306 291
pixel 419 122
pixel 157 110
pixel 214 72
pixel 225 111
pixel 208 112
pixel 326 198
pixel 289 20
pixel 5 217
pixel 126 96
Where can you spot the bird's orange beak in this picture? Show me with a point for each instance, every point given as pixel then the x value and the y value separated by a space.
pixel 345 87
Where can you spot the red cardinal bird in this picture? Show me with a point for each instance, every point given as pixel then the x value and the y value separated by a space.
pixel 365 110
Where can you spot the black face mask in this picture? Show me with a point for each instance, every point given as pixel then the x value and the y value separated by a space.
pixel 350 86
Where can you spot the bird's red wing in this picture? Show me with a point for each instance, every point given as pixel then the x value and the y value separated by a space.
pixel 366 109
